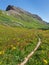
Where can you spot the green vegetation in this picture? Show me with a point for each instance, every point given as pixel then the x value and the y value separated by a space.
pixel 41 57
pixel 18 37
pixel 15 44
pixel 22 20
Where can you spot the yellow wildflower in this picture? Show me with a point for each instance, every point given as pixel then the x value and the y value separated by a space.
pixel 0 62
pixel 45 61
pixel 13 48
pixel 1 52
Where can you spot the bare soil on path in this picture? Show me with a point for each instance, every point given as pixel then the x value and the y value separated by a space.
pixel 31 54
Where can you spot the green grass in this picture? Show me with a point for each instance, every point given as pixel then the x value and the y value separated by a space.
pixel 21 21
pixel 17 41
pixel 18 38
pixel 43 52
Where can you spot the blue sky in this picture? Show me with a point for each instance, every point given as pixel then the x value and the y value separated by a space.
pixel 40 7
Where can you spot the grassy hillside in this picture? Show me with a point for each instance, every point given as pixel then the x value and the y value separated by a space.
pixel 41 57
pixel 19 36
pixel 21 21
pixel 17 43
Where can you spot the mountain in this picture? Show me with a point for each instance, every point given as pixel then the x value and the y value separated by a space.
pixel 17 17
pixel 19 10
pixel 17 40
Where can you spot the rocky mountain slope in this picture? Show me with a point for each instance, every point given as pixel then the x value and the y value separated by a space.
pixel 17 17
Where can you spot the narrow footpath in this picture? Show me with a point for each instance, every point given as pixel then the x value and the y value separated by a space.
pixel 31 54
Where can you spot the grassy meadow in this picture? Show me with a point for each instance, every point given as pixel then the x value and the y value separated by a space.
pixel 17 43
pixel 19 36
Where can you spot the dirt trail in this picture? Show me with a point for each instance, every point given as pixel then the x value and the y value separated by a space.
pixel 31 54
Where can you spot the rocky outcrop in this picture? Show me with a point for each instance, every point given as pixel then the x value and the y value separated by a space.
pixel 10 7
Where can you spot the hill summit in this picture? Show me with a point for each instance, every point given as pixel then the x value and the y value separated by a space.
pixel 18 17
pixel 19 10
pixel 9 8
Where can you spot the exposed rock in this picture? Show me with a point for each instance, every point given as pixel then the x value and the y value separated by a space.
pixel 9 7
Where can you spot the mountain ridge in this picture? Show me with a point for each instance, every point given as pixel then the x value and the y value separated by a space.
pixel 17 17
pixel 11 7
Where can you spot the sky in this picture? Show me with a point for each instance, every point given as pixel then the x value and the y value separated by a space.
pixel 39 7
